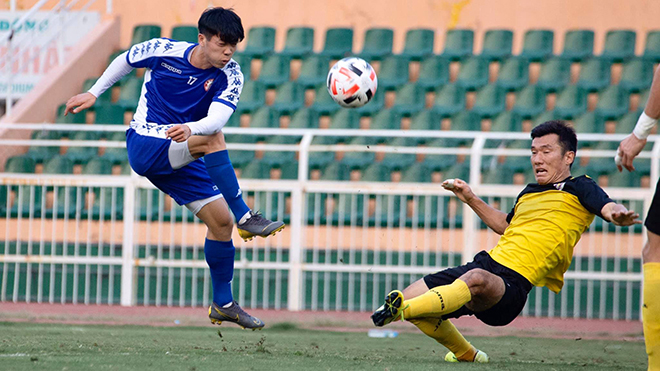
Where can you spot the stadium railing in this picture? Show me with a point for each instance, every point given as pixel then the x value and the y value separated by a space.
pixel 346 244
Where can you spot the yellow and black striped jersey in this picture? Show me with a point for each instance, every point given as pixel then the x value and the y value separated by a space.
pixel 544 225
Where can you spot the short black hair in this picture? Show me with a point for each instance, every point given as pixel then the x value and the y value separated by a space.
pixel 221 22
pixel 567 137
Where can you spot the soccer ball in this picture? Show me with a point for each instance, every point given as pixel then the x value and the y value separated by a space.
pixel 352 82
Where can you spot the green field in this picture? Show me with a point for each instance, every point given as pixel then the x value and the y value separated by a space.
pixel 284 347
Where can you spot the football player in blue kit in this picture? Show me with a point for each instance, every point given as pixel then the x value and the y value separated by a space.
pixel 175 139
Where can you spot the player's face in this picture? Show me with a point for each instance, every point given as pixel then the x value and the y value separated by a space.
pixel 217 52
pixel 549 161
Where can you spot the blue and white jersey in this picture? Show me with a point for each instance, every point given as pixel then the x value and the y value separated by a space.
pixel 175 91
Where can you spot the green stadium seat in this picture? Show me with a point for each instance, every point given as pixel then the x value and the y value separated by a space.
pixel 589 122
pixel 58 165
pixel 652 46
pixel 466 120
pixel 393 72
pixel 433 72
pixel 304 118
pixel 416 173
pixel 323 102
pixel 497 175
pixel 644 97
pixel 129 94
pixel 240 158
pixel 71 118
pixel 83 154
pixel 376 172
pixel 419 44
pixel 109 114
pixel 313 71
pixel 594 74
pixel 578 45
pixel 116 155
pixel 260 42
pixel 299 42
pixel 106 97
pixel 458 44
pixel 571 102
pixel 338 43
pixel 256 169
pixel 377 43
pixel 507 121
pixel 400 161
pixel 289 97
pixel 473 73
pixel 514 74
pixel 289 170
pixel 185 33
pixel 619 45
pixel 103 204
pixel 335 171
pixel 20 164
pixel 279 158
pixel 145 32
pixel 409 99
pixel 321 159
pixel 613 103
pixel 253 97
pixel 490 101
pixel 530 102
pixel 98 166
pixel 275 71
pixel 439 162
pixel 245 62
pixel 265 117
pixel 376 104
pixel 538 45
pixel 425 120
pixel 360 159
pixel 41 154
pixel 387 119
pixel 497 44
pixel 345 119
pixel 555 74
pixel 545 116
pixel 449 100
pixel 637 75
pixel 627 122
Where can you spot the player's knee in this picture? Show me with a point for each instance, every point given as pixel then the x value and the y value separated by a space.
pixel 477 280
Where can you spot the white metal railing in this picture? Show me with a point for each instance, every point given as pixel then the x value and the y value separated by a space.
pixel 346 244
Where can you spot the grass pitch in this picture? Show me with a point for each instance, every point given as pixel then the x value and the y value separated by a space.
pixel 30 346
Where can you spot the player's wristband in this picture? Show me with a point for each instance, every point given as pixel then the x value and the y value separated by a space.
pixel 644 126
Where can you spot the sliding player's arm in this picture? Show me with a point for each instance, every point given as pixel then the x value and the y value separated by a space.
pixel 635 142
pixel 619 215
pixel 115 71
pixel 495 219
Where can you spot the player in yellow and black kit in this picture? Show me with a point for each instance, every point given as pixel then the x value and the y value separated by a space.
pixel 536 248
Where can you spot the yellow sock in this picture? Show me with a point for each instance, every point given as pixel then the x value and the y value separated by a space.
pixel 437 301
pixel 445 333
pixel 651 314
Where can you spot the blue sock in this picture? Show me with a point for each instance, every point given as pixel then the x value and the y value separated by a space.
pixel 222 173
pixel 220 258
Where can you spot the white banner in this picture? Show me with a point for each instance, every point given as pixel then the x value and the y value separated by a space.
pixel 34 46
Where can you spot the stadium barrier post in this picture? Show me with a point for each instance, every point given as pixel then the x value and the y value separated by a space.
pixel 128 280
pixel 469 218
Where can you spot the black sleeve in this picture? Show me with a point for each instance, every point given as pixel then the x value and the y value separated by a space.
pixel 509 216
pixel 591 196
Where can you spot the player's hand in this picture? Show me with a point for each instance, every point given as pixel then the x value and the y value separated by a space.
pixel 79 102
pixel 460 188
pixel 625 218
pixel 628 150
pixel 178 133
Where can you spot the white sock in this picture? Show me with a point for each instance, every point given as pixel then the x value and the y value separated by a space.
pixel 244 218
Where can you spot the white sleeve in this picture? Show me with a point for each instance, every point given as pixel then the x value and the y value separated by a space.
pixel 216 119
pixel 644 126
pixel 115 71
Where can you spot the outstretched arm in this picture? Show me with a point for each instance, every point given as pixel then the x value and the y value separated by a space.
pixel 495 219
pixel 115 71
pixel 619 215
pixel 215 120
pixel 635 142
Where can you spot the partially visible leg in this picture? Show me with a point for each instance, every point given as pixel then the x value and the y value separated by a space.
pixel 443 331
pixel 477 289
pixel 651 306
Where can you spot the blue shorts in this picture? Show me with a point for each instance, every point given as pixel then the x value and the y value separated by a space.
pixel 149 157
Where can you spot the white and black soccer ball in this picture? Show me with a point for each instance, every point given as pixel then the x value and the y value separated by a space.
pixel 352 82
